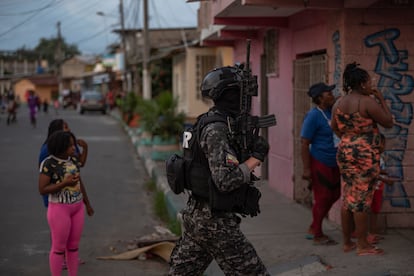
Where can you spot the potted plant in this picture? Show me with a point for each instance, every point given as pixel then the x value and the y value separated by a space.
pixel 170 123
pixel 160 118
pixel 128 108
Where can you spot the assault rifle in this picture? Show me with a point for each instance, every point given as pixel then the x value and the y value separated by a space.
pixel 247 127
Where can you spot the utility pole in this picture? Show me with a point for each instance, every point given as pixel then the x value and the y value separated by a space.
pixel 146 78
pixel 58 57
pixel 124 50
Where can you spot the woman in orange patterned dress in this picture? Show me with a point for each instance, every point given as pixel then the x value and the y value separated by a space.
pixel 355 119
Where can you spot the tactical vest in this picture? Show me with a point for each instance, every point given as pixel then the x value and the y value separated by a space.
pixel 244 200
pixel 198 175
pixel 191 171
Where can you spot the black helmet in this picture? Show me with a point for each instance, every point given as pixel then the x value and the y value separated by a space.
pixel 218 80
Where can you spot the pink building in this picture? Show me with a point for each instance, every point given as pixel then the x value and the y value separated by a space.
pixel 296 43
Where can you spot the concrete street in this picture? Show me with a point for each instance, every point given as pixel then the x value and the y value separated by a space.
pixel 114 178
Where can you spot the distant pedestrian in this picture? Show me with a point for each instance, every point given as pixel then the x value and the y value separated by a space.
pixel 3 102
pixel 56 106
pixel 110 99
pixel 60 178
pixel 45 106
pixel 11 110
pixel 356 117
pixel 33 103
pixel 319 147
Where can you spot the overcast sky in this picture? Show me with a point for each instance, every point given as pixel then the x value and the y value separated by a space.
pixel 24 22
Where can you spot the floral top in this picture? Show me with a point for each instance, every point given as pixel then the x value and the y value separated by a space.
pixel 57 169
pixel 358 158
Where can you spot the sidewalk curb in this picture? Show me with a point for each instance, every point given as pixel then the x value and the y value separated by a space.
pixel 155 169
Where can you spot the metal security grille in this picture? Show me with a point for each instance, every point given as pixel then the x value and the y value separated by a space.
pixel 204 63
pixel 307 71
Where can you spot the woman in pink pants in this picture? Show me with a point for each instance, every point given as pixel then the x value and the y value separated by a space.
pixel 59 177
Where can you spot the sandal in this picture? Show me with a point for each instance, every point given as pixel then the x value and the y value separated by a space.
pixel 309 236
pixel 324 240
pixel 371 251
pixel 348 248
pixel 376 236
pixel 371 239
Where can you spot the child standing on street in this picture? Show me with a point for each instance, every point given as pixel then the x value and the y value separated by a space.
pixel 59 177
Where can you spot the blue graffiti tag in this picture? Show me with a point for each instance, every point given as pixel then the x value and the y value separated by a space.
pixel 337 71
pixel 391 66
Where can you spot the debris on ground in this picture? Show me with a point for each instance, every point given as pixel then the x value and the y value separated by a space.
pixel 160 243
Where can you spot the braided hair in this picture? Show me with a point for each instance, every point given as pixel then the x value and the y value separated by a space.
pixel 354 77
pixel 59 142
pixel 55 125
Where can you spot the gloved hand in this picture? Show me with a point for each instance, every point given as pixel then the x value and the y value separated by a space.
pixel 260 148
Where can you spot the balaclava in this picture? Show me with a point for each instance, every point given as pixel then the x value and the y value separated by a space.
pixel 229 101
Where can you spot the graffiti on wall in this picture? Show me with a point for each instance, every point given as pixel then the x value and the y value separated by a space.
pixel 395 84
pixel 338 65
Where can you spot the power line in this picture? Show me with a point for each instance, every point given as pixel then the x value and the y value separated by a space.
pixel 90 37
pixel 29 12
pixel 18 25
pixel 27 19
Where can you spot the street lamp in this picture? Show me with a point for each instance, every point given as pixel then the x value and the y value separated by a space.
pixel 104 18
pixel 123 41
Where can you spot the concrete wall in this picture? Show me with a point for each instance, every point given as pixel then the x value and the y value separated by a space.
pixel 195 105
pixel 21 87
pixel 73 70
pixel 186 82
pixel 179 81
pixel 382 41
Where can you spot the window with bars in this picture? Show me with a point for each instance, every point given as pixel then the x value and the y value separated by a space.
pixel 271 45
pixel 204 64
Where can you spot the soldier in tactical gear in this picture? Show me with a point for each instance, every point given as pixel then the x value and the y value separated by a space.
pixel 209 233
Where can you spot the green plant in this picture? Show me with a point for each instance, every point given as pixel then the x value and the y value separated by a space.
pixel 150 185
pixel 160 117
pixel 160 208
pixel 148 111
pixel 129 104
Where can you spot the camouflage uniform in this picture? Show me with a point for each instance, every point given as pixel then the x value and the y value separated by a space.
pixel 217 235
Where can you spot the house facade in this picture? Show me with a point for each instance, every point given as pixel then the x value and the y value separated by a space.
pixel 297 43
pixel 189 69
pixel 46 87
pixel 12 68
pixel 75 72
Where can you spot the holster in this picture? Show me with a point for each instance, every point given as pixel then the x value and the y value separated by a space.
pixel 244 200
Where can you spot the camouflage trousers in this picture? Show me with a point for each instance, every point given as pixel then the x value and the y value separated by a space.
pixel 210 236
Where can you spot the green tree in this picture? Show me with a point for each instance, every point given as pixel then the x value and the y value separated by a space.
pixel 47 49
pixel 161 76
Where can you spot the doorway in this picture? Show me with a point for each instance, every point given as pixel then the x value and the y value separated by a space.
pixel 308 70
